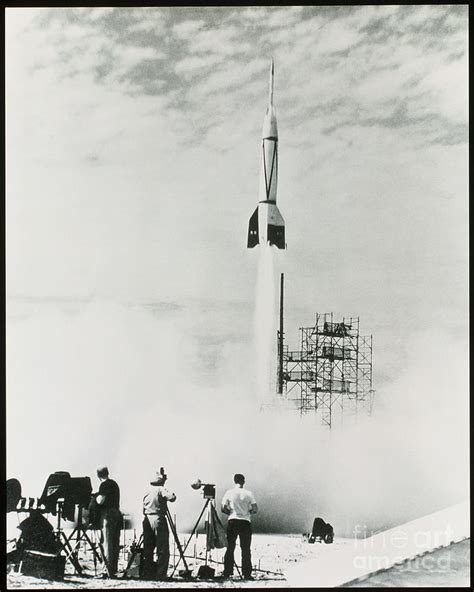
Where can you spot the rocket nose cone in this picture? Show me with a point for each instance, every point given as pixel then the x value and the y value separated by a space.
pixel 270 85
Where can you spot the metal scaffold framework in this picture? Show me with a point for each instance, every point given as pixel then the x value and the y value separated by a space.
pixel 331 374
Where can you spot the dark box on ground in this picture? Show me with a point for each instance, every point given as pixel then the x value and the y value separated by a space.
pixel 206 572
pixel 43 565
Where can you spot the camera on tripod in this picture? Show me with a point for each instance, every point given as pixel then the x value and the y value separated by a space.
pixel 42 550
pixel 208 489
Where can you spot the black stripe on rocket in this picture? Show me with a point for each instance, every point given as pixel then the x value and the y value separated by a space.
pixel 268 185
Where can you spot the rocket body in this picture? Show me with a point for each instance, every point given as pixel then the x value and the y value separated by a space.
pixel 266 225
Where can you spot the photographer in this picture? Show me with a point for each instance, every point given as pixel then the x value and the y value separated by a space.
pixel 155 528
pixel 238 503
pixel 110 518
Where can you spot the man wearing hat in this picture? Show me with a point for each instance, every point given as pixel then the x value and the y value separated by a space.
pixel 110 518
pixel 155 528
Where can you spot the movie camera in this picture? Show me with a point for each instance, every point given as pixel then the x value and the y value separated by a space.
pixel 66 492
pixel 60 490
pixel 208 489
pixel 66 498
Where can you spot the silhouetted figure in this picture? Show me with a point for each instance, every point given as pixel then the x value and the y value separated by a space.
pixel 109 518
pixel 155 528
pixel 239 503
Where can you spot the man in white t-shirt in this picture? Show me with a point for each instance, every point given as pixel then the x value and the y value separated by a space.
pixel 238 503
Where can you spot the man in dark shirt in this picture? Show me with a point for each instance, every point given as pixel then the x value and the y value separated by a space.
pixel 108 500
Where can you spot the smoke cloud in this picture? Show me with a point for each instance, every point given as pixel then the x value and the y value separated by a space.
pixel 124 386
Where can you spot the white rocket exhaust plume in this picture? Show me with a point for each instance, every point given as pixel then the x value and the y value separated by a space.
pixel 265 326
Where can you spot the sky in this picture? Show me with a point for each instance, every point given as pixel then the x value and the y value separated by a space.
pixel 139 129
pixel 133 145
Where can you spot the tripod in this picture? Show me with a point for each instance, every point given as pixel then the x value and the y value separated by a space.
pixel 138 548
pixel 81 534
pixel 211 518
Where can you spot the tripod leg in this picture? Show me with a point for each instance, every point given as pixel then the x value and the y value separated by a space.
pixel 71 536
pixel 104 559
pixel 92 546
pixel 238 570
pixel 70 554
pixel 195 527
pixel 95 553
pixel 208 525
pixel 178 544
pixel 79 533
pixel 101 555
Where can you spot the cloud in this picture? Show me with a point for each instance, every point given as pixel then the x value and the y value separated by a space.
pixel 232 74
pixel 282 17
pixel 186 29
pixel 302 32
pixel 362 80
pixel 127 362
pixel 225 40
pixel 130 56
pixel 252 14
pixel 335 47
pixel 335 37
pixel 112 104
pixel 194 65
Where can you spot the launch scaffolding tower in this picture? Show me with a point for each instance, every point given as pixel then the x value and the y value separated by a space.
pixel 332 372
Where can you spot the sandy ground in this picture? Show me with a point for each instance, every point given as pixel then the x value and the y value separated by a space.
pixel 271 554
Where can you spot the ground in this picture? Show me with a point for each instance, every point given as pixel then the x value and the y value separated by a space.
pixel 271 554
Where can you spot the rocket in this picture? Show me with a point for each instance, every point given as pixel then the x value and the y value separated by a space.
pixel 266 224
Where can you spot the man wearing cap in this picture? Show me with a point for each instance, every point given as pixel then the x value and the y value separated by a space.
pixel 110 518
pixel 155 528
pixel 238 503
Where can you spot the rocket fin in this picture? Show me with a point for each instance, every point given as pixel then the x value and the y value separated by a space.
pixel 276 236
pixel 252 240
pixel 276 227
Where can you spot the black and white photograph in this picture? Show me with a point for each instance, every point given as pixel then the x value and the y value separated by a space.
pixel 237 296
